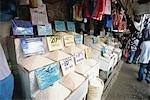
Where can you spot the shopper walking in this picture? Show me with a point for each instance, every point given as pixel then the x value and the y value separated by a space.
pixel 132 47
pixel 144 60
pixel 6 78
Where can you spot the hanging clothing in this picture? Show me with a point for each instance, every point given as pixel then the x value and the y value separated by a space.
pixel 99 10
pixel 88 7
pixel 108 7
pixel 77 12
pixel 107 21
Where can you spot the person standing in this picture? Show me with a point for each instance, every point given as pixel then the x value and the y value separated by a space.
pixel 144 60
pixel 132 47
pixel 6 78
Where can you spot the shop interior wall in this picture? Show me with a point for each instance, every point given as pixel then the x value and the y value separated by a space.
pixel 58 9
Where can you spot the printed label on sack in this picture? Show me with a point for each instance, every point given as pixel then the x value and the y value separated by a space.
pixel 69 40
pixel 47 75
pixel 60 26
pixel 67 65
pixel 71 26
pixel 55 43
pixel 79 57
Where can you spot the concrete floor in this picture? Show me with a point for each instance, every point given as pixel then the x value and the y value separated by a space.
pixel 126 87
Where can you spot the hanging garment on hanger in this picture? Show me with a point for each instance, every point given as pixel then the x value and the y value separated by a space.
pixel 108 7
pixel 77 12
pixel 99 10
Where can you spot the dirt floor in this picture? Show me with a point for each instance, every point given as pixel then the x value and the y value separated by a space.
pixel 126 87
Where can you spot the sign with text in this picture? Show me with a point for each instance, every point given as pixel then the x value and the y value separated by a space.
pixel 31 46
pixel 60 26
pixel 55 43
pixel 47 75
pixel 79 57
pixel 67 65
pixel 69 40
pixel 39 15
pixel 78 38
pixel 44 29
pixel 88 53
pixel 71 26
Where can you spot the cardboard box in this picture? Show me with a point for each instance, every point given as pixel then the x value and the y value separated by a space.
pixel 46 71
pixel 15 51
pixel 78 54
pixel 66 61
pixel 27 72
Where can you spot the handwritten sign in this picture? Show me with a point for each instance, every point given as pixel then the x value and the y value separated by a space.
pixel 71 26
pixel 60 26
pixel 47 75
pixel 39 15
pixel 44 29
pixel 31 46
pixel 79 57
pixel 88 53
pixel 69 40
pixel 78 38
pixel 55 43
pixel 67 65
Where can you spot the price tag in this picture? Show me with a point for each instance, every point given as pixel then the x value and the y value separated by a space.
pixel 55 43
pixel 69 40
pixel 60 26
pixel 67 65
pixel 79 57
pixel 47 75
pixel 71 26
pixel 88 53
pixel 78 39
pixel 44 29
